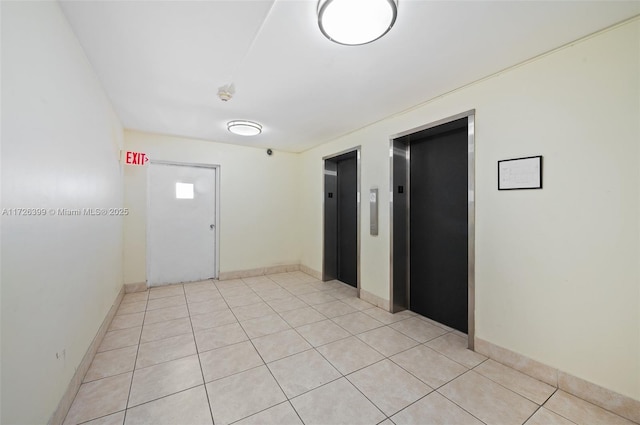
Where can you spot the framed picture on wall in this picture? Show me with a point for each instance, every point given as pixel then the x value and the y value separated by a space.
pixel 520 173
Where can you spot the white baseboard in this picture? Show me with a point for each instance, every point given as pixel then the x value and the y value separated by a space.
pixel 311 272
pixel 375 300
pixel 366 296
pixel 239 274
pixel 135 287
pixel 72 389
pixel 607 399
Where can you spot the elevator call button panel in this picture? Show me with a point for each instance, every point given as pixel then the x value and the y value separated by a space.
pixel 373 211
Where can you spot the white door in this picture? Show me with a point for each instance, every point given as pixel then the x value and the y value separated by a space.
pixel 181 232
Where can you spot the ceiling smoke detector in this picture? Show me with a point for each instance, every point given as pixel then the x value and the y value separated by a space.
pixel 226 92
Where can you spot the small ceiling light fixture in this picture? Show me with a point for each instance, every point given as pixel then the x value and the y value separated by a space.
pixel 355 22
pixel 244 128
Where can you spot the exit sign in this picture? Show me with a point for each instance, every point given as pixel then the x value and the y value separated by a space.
pixel 135 158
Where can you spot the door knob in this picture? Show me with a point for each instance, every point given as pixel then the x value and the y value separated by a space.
pixel 212 226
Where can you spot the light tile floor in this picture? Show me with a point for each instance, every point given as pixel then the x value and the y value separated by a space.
pixel 289 349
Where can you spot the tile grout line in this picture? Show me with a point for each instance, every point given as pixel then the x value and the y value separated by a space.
pixel 291 355
pixel 327 360
pixel 316 348
pixel 264 410
pixel 383 354
pixel 170 336
pixel 119 348
pixel 434 390
pixel 509 389
pixel 152 400
pixel 166 361
pixel 342 375
pixel 443 354
pixel 261 358
pixel 564 417
pixel 442 395
pixel 117 374
pixel 287 399
pixel 531 415
pixel 126 406
pixel 421 380
pixel 195 341
pixel 410 373
pixel 313 307
pixel 197 352
pixel 312 347
pixel 360 368
pixel 346 377
pixel 452 401
pixel 165 338
pixel 450 358
pixel 354 334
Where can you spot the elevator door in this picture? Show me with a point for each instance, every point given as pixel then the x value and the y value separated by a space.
pixel 439 226
pixel 347 240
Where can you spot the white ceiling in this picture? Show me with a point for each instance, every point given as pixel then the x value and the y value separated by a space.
pixel 161 62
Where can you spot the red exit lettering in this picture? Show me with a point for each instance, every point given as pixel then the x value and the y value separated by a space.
pixel 136 158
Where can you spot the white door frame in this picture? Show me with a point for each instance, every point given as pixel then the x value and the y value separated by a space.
pixel 216 167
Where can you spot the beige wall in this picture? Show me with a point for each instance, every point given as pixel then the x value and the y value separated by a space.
pixel 259 202
pixel 557 271
pixel 60 144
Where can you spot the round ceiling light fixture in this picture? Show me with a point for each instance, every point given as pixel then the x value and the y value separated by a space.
pixel 244 127
pixel 356 22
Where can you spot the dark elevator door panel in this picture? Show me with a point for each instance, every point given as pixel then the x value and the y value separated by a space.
pixel 347 220
pixel 439 228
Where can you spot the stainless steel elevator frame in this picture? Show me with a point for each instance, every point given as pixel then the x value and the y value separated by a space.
pixel 327 168
pixel 400 150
